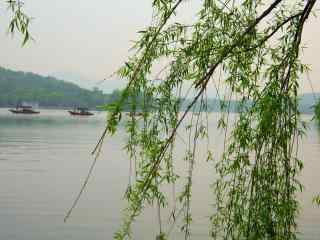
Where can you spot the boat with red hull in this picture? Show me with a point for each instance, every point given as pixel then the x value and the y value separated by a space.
pixel 80 112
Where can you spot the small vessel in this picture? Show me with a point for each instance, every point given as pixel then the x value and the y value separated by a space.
pixel 80 111
pixel 136 114
pixel 24 109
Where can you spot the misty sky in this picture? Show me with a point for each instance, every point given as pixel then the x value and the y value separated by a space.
pixel 88 40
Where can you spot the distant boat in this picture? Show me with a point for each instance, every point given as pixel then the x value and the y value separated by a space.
pixel 136 114
pixel 80 112
pixel 24 109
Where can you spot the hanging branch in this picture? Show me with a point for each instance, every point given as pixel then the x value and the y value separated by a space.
pixel 259 64
pixel 19 21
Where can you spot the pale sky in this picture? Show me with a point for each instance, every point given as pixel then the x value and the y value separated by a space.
pixel 89 40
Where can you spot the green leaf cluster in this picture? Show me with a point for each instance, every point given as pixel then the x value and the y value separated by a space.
pixel 249 51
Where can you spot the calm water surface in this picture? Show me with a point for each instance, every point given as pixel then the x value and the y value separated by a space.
pixel 43 162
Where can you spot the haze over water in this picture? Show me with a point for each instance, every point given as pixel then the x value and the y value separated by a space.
pixel 44 160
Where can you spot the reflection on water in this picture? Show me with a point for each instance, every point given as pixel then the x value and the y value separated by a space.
pixel 44 159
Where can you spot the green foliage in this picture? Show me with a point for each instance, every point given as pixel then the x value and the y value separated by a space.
pixel 316 200
pixel 249 50
pixel 317 112
pixel 19 21
pixel 47 91
pixel 252 50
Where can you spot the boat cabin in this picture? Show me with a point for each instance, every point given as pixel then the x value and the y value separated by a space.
pixel 24 109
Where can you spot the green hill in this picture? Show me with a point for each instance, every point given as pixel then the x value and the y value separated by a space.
pixel 18 86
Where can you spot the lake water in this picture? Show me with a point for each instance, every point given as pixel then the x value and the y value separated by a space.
pixel 45 158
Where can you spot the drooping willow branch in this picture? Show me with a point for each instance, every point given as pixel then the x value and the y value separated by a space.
pixel 203 82
pixel 138 68
pixel 19 21
pixel 260 66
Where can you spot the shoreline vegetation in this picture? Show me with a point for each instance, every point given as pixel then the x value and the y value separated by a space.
pixel 52 93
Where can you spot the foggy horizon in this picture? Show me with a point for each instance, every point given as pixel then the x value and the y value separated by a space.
pixel 88 43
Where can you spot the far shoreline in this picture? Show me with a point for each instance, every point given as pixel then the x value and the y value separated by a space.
pixel 99 110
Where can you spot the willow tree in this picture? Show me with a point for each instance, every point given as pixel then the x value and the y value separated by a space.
pixel 252 49
pixel 19 20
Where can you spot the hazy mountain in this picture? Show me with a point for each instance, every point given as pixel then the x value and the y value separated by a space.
pixel 107 86
pixel 75 78
pixel 18 86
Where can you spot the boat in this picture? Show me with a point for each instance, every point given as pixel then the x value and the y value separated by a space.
pixel 24 109
pixel 136 114
pixel 80 111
